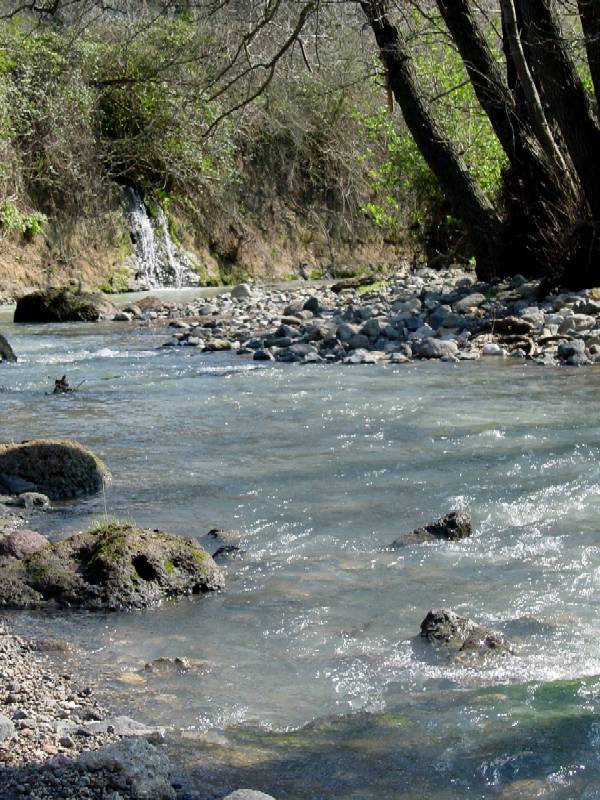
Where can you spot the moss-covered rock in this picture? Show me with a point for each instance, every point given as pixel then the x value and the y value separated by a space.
pixel 113 567
pixel 60 469
pixel 64 304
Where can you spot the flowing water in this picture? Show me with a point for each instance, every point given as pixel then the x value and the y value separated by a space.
pixel 308 678
pixel 160 262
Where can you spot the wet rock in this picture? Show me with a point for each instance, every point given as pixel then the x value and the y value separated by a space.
pixel 445 628
pixel 114 567
pixel 123 316
pixel 30 500
pixel 22 542
pixel 262 355
pixel 65 304
pixel 492 349
pixel 6 351
pixel 226 552
pixel 167 666
pixel 132 765
pixel 452 528
pixel 58 469
pixel 7 729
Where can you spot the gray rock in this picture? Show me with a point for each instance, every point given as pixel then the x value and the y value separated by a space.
pixel 453 527
pixel 568 349
pixel 116 566
pixel 447 629
pixel 262 355
pixel 434 348
pixel 31 500
pixel 6 351
pixel 241 291
pixel 358 341
pixel 122 316
pixel 312 305
pixel 372 328
pixel 470 301
pixel 132 765
pixel 248 794
pixel 7 729
pixel 22 542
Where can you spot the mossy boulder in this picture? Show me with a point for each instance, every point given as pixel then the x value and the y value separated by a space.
pixel 6 351
pixel 64 304
pixel 60 469
pixel 116 566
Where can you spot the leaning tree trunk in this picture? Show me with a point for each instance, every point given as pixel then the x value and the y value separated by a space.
pixel 589 11
pixel 474 208
pixel 564 94
pixel 540 196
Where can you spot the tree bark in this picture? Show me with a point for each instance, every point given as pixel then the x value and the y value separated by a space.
pixel 482 220
pixel 589 11
pixel 564 94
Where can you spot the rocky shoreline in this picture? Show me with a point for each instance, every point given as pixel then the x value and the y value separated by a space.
pixel 446 315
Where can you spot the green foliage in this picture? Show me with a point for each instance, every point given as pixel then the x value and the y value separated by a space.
pixel 12 219
pixel 407 197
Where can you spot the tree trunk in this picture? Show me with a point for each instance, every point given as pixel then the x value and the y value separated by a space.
pixel 589 11
pixel 564 94
pixel 469 203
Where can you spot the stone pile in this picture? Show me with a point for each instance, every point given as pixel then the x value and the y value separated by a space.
pixel 445 315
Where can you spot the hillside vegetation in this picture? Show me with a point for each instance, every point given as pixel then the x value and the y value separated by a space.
pixel 316 175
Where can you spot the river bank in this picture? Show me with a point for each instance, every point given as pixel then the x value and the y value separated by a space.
pixel 446 315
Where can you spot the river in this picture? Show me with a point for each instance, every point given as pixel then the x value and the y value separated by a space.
pixel 308 676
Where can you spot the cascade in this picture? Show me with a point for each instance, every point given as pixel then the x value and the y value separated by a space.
pixel 160 263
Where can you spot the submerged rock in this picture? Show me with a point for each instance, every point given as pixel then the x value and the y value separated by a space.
pixel 6 351
pixel 452 528
pixel 58 469
pixel 248 794
pixel 64 304
pixel 458 634
pixel 114 567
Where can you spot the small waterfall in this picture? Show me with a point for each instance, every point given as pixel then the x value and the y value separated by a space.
pixel 159 262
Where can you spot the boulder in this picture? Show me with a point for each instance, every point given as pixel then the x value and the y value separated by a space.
pixel 133 766
pixel 7 729
pixel 113 567
pixel 248 794
pixel 64 304
pixel 435 348
pixel 58 469
pixel 22 542
pixel 509 326
pixel 6 351
pixel 457 634
pixel 451 528
pixel 241 291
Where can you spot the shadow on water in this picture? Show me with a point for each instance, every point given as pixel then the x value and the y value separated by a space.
pixel 512 742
